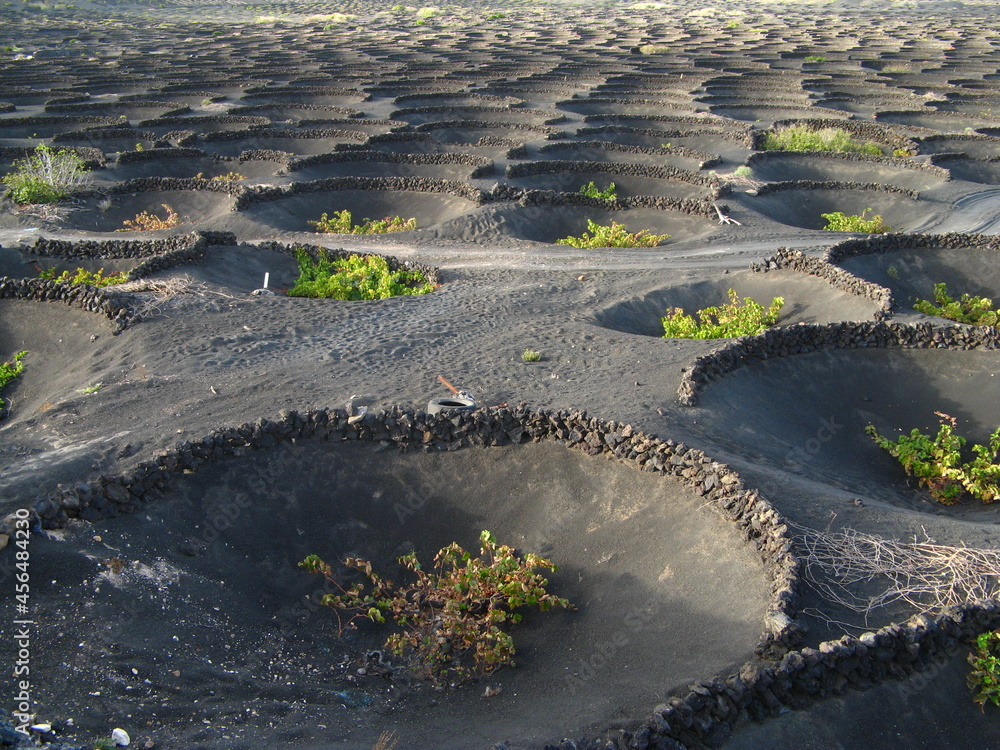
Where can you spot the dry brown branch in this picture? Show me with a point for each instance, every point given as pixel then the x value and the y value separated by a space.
pixel 386 741
pixel 927 576
pixel 160 291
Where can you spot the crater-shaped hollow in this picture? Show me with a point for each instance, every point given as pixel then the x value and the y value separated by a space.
pixel 807 300
pixel 807 414
pixel 666 592
pixel 294 212
pixel 552 223
pixel 109 214
pixel 911 274
pixel 804 208
pixel 783 165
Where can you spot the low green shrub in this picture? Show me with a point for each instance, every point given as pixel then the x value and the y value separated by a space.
pixel 984 680
pixel 83 276
pixel 937 462
pixel 9 371
pixel 838 221
pixel 45 176
pixel 615 235
pixel 591 190
pixel 815 58
pixel 356 277
pixel 342 223
pixel 452 617
pixel 737 317
pixel 976 311
pixel 530 355
pixel 804 138
pixel 743 172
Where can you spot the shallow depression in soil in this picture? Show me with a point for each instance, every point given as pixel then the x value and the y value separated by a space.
pixel 667 593
pixel 807 414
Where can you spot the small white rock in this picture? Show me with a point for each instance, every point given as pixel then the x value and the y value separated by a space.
pixel 43 728
pixel 120 737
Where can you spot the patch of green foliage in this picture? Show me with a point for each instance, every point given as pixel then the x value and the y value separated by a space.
pixel 615 235
pixel 976 311
pixel 804 138
pixel 356 277
pixel 530 355
pixel 591 190
pixel 743 172
pixel 745 317
pixel 984 680
pixel 453 618
pixel 937 462
pixel 83 276
pixel 45 176
pixel 815 58
pixel 838 221
pixel 342 223
pixel 495 16
pixel 9 371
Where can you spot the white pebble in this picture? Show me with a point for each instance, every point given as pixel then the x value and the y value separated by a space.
pixel 120 737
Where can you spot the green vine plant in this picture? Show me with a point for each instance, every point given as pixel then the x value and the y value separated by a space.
pixel 804 138
pixel 745 317
pixel 453 618
pixel 615 235
pixel 976 311
pixel 9 371
pixel 937 462
pixel 984 680
pixel 838 221
pixel 83 276
pixel 356 277
pixel 343 223
pixel 591 190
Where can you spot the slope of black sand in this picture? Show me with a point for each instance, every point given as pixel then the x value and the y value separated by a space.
pixel 505 89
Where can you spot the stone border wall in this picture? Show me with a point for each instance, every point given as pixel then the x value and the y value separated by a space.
pixel 836 277
pixel 704 208
pixel 895 242
pixel 264 194
pixel 718 485
pixel 872 187
pixel 554 166
pixel 251 108
pixel 707 160
pixel 744 139
pixel 83 296
pixel 868 131
pixel 806 338
pixel 548 132
pixel 889 161
pixel 278 133
pixel 483 166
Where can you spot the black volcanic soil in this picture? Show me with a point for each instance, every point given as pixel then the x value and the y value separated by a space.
pixel 192 633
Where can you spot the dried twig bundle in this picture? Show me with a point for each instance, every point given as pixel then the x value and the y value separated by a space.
pixel 927 576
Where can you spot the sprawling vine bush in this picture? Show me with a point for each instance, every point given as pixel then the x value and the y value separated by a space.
pixel 745 317
pixel 356 277
pixel 615 235
pixel 453 617
pixel 342 223
pixel 937 462
pixel 977 311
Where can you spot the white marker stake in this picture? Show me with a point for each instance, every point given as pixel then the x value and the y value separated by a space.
pixel 267 276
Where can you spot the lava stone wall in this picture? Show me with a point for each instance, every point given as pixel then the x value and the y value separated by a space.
pixel 803 338
pixel 873 187
pixel 895 162
pixel 835 276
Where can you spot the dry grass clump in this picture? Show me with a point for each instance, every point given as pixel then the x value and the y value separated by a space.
pixel 928 577
pixel 145 221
